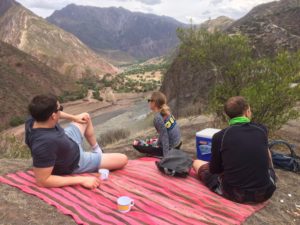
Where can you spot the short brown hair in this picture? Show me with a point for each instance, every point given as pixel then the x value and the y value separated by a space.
pixel 41 107
pixel 236 106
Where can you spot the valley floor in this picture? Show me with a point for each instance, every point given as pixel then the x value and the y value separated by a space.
pixel 19 208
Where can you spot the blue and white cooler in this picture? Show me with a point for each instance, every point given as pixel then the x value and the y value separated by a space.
pixel 203 143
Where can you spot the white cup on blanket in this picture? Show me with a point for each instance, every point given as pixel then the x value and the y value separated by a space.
pixel 125 204
pixel 104 173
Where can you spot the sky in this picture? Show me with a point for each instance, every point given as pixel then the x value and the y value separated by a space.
pixel 182 10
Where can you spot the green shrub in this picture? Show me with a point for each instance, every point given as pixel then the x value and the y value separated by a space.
pixel 16 121
pixel 79 93
pixel 96 95
pixel 113 136
pixel 13 147
pixel 264 82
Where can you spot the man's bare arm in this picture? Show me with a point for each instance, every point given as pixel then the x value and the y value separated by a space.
pixel 75 118
pixel 44 178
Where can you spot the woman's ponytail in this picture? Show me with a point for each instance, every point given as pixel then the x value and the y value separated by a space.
pixel 161 103
pixel 165 110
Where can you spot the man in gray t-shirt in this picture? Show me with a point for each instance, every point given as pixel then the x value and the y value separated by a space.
pixel 56 151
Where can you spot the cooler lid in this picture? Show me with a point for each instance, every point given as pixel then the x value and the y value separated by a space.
pixel 207 133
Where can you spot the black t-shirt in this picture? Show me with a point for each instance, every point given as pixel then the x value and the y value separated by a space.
pixel 242 158
pixel 51 147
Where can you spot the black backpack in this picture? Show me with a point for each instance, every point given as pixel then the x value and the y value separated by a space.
pixel 176 163
pixel 290 162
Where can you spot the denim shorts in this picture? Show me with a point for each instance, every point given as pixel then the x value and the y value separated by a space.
pixel 89 162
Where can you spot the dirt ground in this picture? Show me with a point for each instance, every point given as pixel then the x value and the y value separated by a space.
pixel 17 208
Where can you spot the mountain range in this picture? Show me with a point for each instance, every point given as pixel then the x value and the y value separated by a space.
pixel 137 35
pixel 51 45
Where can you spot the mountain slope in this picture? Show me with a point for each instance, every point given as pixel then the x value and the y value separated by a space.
pixel 271 27
pixel 139 35
pixel 22 77
pixel 219 24
pixel 53 46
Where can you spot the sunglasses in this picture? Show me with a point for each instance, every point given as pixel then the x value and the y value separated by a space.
pixel 150 100
pixel 61 108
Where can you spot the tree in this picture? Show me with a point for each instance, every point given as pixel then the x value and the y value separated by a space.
pixel 265 82
pixel 96 94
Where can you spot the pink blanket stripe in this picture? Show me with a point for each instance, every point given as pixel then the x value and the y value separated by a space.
pixel 159 199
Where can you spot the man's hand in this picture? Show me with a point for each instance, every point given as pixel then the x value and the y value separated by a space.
pixel 83 119
pixel 90 182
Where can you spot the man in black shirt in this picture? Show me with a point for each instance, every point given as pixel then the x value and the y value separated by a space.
pixel 241 166
pixel 56 151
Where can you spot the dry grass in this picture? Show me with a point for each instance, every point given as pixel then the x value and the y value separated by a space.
pixel 13 147
pixel 113 136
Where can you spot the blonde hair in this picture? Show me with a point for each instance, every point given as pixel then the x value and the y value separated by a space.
pixel 160 101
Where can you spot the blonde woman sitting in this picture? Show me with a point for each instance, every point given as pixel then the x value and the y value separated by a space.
pixel 165 124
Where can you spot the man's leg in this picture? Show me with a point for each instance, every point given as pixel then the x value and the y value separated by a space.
pixel 110 161
pixel 113 161
pixel 150 150
pixel 210 180
pixel 87 130
pixel 197 164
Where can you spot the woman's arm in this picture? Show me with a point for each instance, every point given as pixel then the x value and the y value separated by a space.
pixel 163 138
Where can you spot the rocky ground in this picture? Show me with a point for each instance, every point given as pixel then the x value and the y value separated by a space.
pixel 19 208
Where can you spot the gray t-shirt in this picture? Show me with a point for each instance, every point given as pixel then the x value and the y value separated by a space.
pixel 52 148
pixel 168 130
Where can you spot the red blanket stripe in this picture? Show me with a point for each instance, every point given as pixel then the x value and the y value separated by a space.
pixel 193 183
pixel 172 198
pixel 152 207
pixel 66 197
pixel 116 188
pixel 159 199
pixel 84 213
pixel 106 208
pixel 157 177
pixel 220 214
pixel 192 192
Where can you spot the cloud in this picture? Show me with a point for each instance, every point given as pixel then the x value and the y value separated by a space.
pixel 146 2
pixel 207 12
pixel 182 10
pixel 150 2
pixel 216 2
pixel 45 4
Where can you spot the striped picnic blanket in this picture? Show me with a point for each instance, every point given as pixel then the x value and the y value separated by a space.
pixel 158 199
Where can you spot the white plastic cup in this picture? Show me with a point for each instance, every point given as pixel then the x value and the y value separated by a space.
pixel 125 204
pixel 104 173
